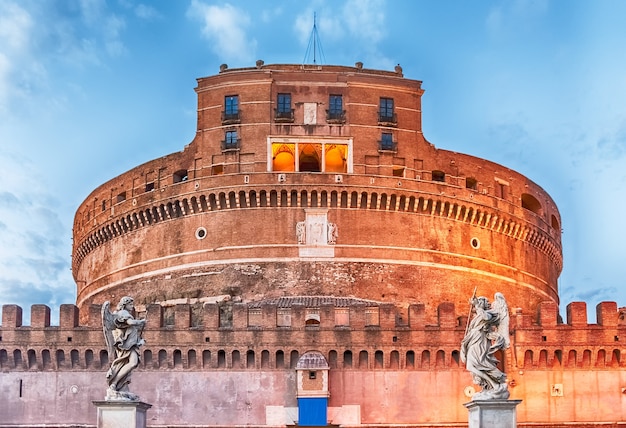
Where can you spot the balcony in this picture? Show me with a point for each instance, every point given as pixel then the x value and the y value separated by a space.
pixel 231 118
pixel 387 146
pixel 336 117
pixel 387 120
pixel 283 116
pixel 231 145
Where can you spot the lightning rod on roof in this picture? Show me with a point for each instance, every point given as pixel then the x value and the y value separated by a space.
pixel 314 45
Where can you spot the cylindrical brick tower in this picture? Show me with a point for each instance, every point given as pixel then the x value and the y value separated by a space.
pixel 316 181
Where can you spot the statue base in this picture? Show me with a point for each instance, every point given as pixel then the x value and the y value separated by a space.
pixel 121 414
pixel 492 413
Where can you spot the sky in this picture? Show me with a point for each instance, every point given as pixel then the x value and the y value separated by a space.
pixel 91 88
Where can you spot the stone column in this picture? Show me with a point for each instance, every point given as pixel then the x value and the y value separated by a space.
pixel 492 413
pixel 121 414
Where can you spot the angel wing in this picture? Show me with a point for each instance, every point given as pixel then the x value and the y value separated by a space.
pixel 502 309
pixel 108 325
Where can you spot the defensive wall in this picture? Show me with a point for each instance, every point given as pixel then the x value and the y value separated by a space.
pixel 233 363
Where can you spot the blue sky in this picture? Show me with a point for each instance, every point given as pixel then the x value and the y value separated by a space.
pixel 90 89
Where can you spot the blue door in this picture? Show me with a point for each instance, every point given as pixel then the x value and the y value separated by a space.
pixel 312 411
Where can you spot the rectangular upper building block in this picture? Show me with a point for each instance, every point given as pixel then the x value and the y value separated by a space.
pixel 39 316
pixel 548 313
pixel 68 316
pixel 11 316
pixel 606 314
pixel 577 314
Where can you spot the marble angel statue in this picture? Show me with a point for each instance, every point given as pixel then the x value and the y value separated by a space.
pixel 487 333
pixel 122 333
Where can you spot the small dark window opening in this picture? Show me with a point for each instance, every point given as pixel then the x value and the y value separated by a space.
pixel 312 375
pixel 439 176
pixel 180 176
pixel 471 183
pixel 104 205
pixel 149 187
pixel 120 198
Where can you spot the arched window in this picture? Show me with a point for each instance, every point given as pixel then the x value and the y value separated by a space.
pixel 236 359
pixel 531 203
pixel 394 360
pixel 250 363
pixel 178 359
pixel 206 359
pixel 332 359
pixel 347 359
pixel 74 359
pixel 32 359
pixel 162 358
pixel 378 359
pixel 293 359
pixel 440 360
pixel 425 363
pixel 88 358
pixel 528 359
pixel 265 359
pixel 363 360
pixel 280 360
pixel 410 359
pixel 147 358
pixel 60 358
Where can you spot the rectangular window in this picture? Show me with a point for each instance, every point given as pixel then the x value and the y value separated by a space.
pixel 284 104
pixel 231 110
pixel 335 105
pixel 386 141
pixel 231 141
pixel 386 113
pixel 231 104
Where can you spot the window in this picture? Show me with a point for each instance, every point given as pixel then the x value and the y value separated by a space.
pixel 471 183
pixel 180 176
pixel 149 187
pixel 386 142
pixel 231 109
pixel 335 112
pixel 439 176
pixel 230 141
pixel 385 112
pixel 306 156
pixel 283 107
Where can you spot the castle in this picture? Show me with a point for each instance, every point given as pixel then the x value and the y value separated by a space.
pixel 308 259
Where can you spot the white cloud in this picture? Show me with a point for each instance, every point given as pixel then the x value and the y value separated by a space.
pixel 146 12
pixel 365 19
pixel 15 28
pixel 225 28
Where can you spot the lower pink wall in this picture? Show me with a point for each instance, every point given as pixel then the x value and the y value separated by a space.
pixel 240 397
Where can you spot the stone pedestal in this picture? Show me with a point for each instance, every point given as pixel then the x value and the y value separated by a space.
pixel 492 413
pixel 121 414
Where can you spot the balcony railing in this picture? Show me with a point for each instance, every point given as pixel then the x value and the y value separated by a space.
pixel 387 120
pixel 336 117
pixel 283 116
pixel 387 146
pixel 231 144
pixel 231 118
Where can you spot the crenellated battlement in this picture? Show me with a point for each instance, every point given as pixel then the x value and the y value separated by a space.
pixel 272 333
